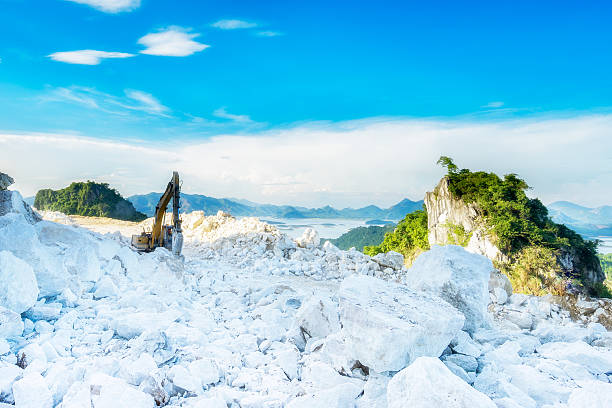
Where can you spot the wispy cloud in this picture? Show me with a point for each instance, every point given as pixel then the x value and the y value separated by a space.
pixel 133 101
pixel 146 102
pixel 86 57
pixel 494 104
pixel 171 42
pixel 269 33
pixel 224 114
pixel 233 24
pixel 110 6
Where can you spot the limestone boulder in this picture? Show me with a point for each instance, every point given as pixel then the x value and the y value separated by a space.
pixel 387 325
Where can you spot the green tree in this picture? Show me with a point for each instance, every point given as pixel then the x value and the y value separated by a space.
pixel 447 162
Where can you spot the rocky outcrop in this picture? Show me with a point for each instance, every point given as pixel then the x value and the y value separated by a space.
pixel 5 181
pixel 452 221
pixel 12 202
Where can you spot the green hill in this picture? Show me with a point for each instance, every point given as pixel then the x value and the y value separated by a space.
pixel 362 236
pixel 89 199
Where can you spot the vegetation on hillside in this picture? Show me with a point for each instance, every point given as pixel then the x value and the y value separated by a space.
pixel 362 236
pixel 523 231
pixel 88 199
pixel 409 238
pixel 606 265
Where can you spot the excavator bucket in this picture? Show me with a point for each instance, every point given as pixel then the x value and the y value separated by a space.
pixel 140 242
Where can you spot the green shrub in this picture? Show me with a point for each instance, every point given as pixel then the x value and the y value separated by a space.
pixel 409 238
pixel 457 235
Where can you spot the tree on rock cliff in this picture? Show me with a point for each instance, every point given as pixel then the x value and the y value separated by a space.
pixel 539 255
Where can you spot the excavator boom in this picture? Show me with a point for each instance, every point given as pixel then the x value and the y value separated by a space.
pixel 168 236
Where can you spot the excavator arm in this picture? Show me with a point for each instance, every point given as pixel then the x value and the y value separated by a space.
pixel 171 193
pixel 168 236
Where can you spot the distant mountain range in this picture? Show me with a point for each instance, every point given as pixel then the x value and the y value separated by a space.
pixel 591 222
pixel 210 205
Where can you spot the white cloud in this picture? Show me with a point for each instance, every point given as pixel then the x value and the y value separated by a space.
pixel 134 100
pixel 224 114
pixel 269 33
pixel 233 24
pixel 110 6
pixel 86 57
pixel 352 163
pixel 172 42
pixel 147 102
pixel 495 104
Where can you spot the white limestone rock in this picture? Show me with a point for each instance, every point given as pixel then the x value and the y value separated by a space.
pixel 463 344
pixel 374 392
pixel 427 383
pixel 595 360
pixel 183 379
pixel 340 396
pixel 387 325
pixel 468 377
pixel 21 239
pixel 591 394
pixel 391 259
pixel 11 325
pixel 107 391
pixel 131 325
pixel 494 384
pixel 136 371
pixel 44 311
pixel 501 281
pixel 309 239
pixel 32 392
pixel 77 396
pixel 5 347
pixel 11 202
pixel 9 373
pixel 105 288
pixel 318 317
pixel 501 297
pixel 206 370
pixel 457 276
pixel 468 363
pixel 18 286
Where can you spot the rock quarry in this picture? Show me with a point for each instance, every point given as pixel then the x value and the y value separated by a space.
pixel 252 318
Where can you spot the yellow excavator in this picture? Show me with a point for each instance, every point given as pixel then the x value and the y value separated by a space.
pixel 166 236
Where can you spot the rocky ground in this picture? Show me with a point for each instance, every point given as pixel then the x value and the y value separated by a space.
pixel 252 318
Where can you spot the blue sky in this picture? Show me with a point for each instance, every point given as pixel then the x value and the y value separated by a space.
pixel 182 73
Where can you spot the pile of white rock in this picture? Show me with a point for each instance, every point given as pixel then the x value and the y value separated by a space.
pixel 255 319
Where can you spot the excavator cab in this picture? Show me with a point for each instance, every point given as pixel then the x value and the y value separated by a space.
pixel 166 236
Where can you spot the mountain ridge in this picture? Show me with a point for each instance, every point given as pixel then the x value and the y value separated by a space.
pixel 238 207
